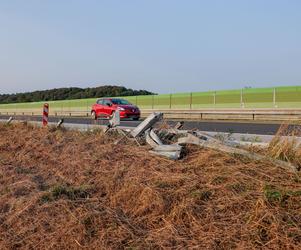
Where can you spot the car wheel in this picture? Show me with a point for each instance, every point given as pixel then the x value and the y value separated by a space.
pixel 136 119
pixel 93 115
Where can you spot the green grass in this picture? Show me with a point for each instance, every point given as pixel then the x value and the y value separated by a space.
pixel 286 97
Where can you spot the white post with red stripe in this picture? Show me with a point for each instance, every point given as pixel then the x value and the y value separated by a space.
pixel 45 114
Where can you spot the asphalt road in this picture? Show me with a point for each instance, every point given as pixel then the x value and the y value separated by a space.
pixel 216 126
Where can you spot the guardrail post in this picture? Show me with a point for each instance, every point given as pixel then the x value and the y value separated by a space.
pixel 153 101
pixel 190 101
pixel 170 101
pixel 60 122
pixel 241 98
pixel 214 98
pixel 274 97
pixel 9 120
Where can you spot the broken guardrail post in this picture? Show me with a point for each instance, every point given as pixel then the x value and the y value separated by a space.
pixel 222 147
pixel 10 120
pixel 172 152
pixel 114 121
pixel 155 138
pixel 179 125
pixel 152 139
pixel 60 122
pixel 151 120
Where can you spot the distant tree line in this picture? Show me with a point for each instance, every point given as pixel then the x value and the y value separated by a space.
pixel 71 93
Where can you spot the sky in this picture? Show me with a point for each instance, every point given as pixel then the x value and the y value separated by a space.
pixel 164 46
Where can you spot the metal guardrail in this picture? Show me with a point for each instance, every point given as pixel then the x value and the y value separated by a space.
pixel 220 114
pixel 270 115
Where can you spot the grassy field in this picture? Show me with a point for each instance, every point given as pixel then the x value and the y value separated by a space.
pixel 285 97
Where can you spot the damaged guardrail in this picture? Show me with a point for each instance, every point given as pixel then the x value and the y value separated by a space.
pixel 183 137
pixel 170 142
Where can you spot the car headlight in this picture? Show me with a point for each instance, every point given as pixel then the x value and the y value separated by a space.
pixel 121 109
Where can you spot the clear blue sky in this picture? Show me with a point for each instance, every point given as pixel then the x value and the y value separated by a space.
pixel 160 45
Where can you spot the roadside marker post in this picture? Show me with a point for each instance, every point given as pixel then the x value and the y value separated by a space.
pixel 45 114
pixel 242 105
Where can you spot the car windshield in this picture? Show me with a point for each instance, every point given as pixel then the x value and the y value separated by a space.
pixel 120 102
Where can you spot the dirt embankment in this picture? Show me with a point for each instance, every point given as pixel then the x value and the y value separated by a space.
pixel 72 190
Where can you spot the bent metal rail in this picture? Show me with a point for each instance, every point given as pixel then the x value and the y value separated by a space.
pixel 205 114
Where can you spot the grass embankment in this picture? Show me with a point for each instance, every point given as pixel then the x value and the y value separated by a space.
pixel 72 190
pixel 286 97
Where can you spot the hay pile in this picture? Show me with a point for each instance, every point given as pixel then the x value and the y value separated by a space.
pixel 72 190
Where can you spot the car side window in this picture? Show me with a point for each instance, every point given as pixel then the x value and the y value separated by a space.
pixel 106 102
pixel 100 101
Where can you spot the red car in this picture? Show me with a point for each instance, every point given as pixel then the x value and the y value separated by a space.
pixel 105 107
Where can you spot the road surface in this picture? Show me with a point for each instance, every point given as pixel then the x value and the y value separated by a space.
pixel 214 126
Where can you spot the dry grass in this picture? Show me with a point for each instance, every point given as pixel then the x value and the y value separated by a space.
pixel 72 190
pixel 287 149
